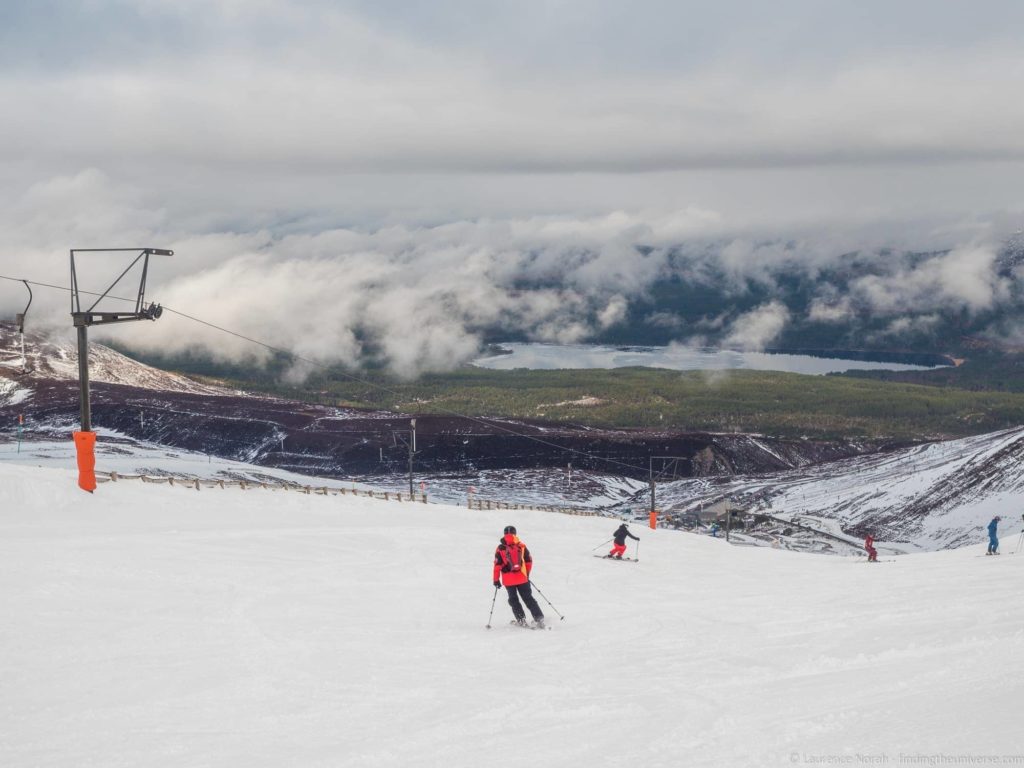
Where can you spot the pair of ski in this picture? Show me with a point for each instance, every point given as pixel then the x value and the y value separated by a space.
pixel 523 625
pixel 621 559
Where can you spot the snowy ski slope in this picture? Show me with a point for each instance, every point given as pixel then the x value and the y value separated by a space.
pixel 151 625
pixel 117 453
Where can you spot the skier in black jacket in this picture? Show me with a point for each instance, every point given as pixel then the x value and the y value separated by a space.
pixel 620 542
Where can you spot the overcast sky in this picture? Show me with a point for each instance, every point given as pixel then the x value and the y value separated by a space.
pixel 228 125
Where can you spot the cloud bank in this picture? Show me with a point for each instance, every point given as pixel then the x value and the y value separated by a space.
pixel 421 298
pixel 362 181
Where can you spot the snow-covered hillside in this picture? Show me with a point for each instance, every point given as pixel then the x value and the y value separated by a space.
pixel 530 487
pixel 50 359
pixel 159 626
pixel 928 497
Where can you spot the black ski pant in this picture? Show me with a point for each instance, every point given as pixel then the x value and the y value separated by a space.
pixel 523 591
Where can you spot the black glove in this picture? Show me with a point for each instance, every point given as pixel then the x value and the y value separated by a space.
pixel 497 584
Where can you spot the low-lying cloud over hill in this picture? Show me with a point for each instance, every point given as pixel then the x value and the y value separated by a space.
pixel 424 297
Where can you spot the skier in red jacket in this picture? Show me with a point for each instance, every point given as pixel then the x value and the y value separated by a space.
pixel 869 545
pixel 619 549
pixel 512 565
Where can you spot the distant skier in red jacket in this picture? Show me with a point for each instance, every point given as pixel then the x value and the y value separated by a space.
pixel 869 545
pixel 619 547
pixel 512 564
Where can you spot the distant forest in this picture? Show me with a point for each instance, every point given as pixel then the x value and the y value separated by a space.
pixel 850 406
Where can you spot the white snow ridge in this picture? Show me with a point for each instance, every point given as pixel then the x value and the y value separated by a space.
pixel 49 358
pixel 147 625
pixel 934 496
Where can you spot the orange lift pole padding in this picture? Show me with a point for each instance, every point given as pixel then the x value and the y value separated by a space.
pixel 85 445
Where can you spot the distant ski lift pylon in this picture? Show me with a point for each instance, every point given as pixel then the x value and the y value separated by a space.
pixel 85 438
pixel 20 320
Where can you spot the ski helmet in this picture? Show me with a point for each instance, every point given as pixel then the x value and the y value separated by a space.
pixel 510 529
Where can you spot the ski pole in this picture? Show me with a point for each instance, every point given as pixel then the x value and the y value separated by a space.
pixel 638 550
pixel 603 543
pixel 493 599
pixel 560 616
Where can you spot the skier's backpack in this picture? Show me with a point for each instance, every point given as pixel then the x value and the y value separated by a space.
pixel 511 555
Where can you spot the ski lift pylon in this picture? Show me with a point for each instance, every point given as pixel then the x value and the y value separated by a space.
pixel 20 320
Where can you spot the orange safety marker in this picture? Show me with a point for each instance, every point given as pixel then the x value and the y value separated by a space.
pixel 654 518
pixel 85 445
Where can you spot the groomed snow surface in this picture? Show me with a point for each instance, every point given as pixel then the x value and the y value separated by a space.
pixel 148 625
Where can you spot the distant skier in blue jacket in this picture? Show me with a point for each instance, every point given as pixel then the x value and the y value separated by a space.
pixel 993 539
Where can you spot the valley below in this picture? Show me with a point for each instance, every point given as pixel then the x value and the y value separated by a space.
pixel 801 488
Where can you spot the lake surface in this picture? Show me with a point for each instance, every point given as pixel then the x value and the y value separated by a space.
pixel 675 357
